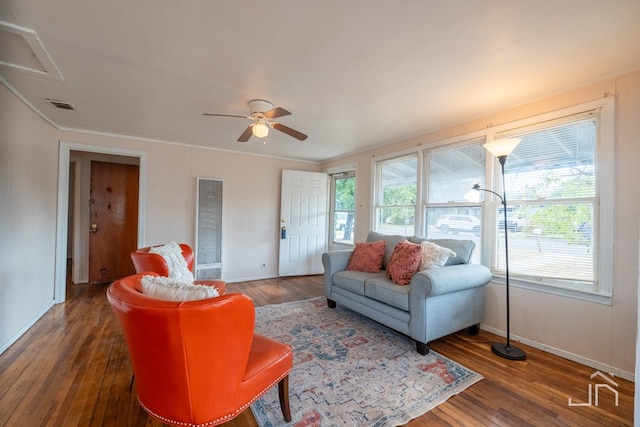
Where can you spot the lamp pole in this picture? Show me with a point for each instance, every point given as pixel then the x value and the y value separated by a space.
pixel 501 148
pixel 506 350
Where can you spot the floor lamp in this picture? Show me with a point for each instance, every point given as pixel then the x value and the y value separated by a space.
pixel 501 148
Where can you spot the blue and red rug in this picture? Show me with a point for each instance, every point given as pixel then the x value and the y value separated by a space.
pixel 351 371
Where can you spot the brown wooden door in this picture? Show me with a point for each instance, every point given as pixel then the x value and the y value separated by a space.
pixel 113 229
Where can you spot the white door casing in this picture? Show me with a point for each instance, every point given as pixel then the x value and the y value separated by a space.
pixel 303 214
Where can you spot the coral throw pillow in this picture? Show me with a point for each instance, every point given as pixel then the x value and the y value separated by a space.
pixel 367 257
pixel 404 262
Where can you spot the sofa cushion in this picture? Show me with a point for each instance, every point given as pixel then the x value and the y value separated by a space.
pixel 404 262
pixel 383 290
pixel 462 248
pixel 353 281
pixel 367 257
pixel 392 241
pixel 434 256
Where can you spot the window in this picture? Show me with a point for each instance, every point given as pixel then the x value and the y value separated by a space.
pixel 396 197
pixel 450 173
pixel 552 214
pixel 343 190
pixel 559 187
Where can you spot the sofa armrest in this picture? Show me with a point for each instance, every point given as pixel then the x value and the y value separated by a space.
pixel 453 278
pixel 333 262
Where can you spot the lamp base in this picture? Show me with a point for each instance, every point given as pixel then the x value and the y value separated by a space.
pixel 508 351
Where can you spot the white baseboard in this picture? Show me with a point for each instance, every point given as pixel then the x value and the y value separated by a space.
pixel 630 376
pixel 249 278
pixel 25 328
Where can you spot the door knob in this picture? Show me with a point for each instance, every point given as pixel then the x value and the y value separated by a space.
pixel 93 228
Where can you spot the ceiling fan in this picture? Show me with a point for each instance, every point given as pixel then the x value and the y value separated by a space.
pixel 262 113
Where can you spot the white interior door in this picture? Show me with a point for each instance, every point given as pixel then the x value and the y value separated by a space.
pixel 303 214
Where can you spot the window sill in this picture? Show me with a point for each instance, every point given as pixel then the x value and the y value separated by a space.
pixel 594 297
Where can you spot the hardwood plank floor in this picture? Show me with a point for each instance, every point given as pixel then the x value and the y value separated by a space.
pixel 72 369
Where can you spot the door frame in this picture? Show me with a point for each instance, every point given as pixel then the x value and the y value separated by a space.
pixel 64 157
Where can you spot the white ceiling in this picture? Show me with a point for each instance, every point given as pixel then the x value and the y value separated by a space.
pixel 355 74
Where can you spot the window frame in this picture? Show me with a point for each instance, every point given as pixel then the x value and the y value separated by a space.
pixel 344 174
pixel 604 199
pixel 605 156
pixel 377 164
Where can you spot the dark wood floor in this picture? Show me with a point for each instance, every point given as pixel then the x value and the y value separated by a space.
pixel 72 369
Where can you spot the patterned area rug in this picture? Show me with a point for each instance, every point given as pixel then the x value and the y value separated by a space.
pixel 351 371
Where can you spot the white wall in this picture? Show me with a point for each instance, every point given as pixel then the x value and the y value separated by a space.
pixel 251 199
pixel 599 335
pixel 28 182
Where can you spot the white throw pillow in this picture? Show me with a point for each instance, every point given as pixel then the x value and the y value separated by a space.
pixel 178 269
pixel 434 255
pixel 171 290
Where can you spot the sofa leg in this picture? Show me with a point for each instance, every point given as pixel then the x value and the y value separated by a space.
pixel 423 348
pixel 331 304
pixel 474 329
pixel 283 394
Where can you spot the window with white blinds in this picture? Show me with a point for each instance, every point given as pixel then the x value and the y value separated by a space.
pixel 559 190
pixel 450 172
pixel 396 195
pixel 552 215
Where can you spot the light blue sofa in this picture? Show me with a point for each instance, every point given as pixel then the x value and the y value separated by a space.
pixel 437 302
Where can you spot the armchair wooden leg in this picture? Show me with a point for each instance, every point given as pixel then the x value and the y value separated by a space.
pixel 283 394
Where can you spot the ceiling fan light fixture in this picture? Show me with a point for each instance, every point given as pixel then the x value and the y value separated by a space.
pixel 262 112
pixel 260 129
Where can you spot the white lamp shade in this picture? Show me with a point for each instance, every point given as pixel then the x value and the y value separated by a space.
pixel 260 130
pixel 472 196
pixel 502 147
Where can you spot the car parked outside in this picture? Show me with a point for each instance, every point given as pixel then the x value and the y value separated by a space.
pixel 459 224
pixel 515 221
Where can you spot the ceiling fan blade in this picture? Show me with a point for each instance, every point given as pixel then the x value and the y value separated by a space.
pixel 246 134
pixel 226 115
pixel 276 112
pixel 291 132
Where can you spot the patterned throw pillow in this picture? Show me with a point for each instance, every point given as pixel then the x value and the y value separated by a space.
pixel 172 253
pixel 404 262
pixel 367 257
pixel 434 255
pixel 168 289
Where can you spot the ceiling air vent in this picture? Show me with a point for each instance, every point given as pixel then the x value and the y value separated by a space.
pixel 62 105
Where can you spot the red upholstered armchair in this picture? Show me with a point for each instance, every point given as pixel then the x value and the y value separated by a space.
pixel 199 362
pixel 143 261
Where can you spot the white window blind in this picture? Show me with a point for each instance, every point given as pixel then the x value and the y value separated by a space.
pixel 451 172
pixel 396 197
pixel 552 217
pixel 559 189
